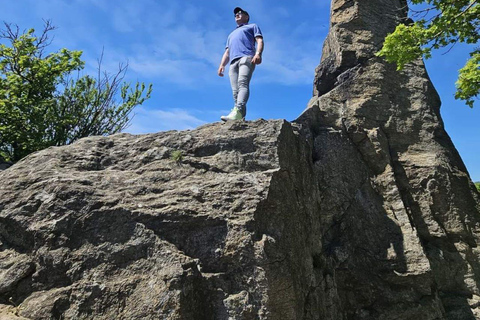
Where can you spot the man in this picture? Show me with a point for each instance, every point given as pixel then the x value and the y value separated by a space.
pixel 241 50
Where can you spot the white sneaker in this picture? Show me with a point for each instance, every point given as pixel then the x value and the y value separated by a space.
pixel 235 114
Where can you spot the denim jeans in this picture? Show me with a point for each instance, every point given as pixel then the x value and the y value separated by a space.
pixel 240 73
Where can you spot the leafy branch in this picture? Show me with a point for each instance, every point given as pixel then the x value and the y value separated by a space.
pixel 453 21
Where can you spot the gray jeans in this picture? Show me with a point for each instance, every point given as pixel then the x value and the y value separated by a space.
pixel 240 74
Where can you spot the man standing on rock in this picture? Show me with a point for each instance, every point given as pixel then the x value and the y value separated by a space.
pixel 241 50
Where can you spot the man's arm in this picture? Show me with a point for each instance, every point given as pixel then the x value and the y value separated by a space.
pixel 223 63
pixel 257 58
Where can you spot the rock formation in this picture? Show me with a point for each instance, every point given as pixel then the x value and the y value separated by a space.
pixel 405 217
pixel 359 209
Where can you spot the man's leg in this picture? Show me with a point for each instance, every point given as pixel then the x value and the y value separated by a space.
pixel 233 74
pixel 245 71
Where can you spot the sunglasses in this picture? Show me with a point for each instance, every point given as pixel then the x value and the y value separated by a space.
pixel 239 13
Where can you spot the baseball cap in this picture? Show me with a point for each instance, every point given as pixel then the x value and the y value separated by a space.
pixel 238 9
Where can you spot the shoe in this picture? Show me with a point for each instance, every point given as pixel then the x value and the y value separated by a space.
pixel 235 114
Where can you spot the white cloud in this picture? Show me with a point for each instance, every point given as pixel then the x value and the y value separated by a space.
pixel 174 42
pixel 289 60
pixel 182 72
pixel 180 47
pixel 150 121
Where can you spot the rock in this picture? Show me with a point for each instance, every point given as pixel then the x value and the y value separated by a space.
pixel 359 209
pixel 8 312
pixel 14 268
pixel 109 229
pixel 413 251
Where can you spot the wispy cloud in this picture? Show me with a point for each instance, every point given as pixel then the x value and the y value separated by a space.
pixel 149 121
pixel 182 72
pixel 174 42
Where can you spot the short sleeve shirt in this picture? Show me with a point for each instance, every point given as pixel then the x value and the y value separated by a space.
pixel 241 42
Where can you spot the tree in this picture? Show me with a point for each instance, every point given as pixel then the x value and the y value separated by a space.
pixel 449 22
pixel 43 104
pixel 477 184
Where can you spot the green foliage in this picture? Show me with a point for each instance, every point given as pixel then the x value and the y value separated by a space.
pixel 468 82
pixel 403 47
pixel 477 184
pixel 454 21
pixel 41 105
pixel 176 156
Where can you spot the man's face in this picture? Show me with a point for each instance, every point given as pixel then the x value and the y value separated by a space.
pixel 241 18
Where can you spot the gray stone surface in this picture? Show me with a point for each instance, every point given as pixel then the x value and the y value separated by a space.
pixel 114 228
pixel 405 241
pixel 359 209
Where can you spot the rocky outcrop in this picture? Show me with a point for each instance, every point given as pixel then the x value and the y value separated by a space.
pixel 359 209
pixel 405 217
pixel 116 228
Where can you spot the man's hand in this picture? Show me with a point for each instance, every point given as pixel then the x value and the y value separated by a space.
pixel 257 59
pixel 221 70
pixel 223 63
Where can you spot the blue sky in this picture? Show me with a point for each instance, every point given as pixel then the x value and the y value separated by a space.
pixel 177 46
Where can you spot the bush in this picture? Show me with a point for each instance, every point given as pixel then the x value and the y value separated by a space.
pixel 42 105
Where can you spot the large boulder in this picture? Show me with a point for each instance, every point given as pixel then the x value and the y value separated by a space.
pixel 174 225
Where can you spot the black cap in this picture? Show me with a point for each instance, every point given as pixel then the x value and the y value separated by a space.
pixel 238 9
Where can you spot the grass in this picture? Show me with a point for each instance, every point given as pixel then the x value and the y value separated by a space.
pixel 176 156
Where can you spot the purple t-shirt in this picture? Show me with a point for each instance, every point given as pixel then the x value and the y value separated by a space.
pixel 241 42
